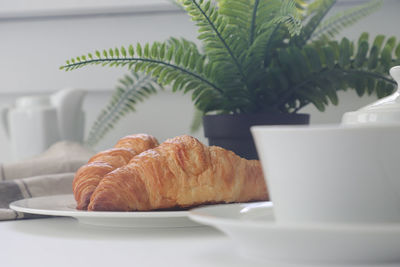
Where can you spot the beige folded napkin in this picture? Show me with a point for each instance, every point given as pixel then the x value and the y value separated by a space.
pixel 50 173
pixel 61 157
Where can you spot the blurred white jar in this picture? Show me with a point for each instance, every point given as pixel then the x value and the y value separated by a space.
pixel 32 125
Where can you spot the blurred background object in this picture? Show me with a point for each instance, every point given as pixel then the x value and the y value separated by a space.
pixel 36 122
pixel 38 35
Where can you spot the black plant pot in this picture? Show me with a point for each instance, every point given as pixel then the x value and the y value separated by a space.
pixel 233 131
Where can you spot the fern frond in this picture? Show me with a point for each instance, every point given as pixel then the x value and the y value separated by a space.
pixel 290 17
pixel 333 25
pixel 131 90
pixel 239 13
pixel 222 46
pixel 314 7
pixel 317 12
pixel 252 28
pixel 164 61
pixel 266 43
pixel 322 70
pixel 266 11
pixel 253 61
pixel 250 16
pixel 178 63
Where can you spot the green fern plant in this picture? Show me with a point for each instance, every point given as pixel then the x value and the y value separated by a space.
pixel 131 90
pixel 257 56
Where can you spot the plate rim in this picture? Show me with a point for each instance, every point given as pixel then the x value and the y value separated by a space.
pixel 19 207
pixel 199 214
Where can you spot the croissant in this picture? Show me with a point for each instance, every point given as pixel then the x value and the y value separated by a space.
pixel 180 173
pixel 88 176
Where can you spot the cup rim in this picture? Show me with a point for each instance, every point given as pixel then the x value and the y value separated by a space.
pixel 324 127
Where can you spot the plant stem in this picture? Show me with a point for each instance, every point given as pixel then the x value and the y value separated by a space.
pixel 239 67
pixel 253 22
pixel 289 92
pixel 267 60
pixel 370 73
pixel 350 15
pixel 144 60
pixel 316 33
pixel 309 34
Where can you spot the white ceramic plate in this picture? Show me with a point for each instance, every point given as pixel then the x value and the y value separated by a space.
pixel 257 236
pixel 64 205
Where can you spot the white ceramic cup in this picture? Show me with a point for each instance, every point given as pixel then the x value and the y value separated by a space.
pixel 332 174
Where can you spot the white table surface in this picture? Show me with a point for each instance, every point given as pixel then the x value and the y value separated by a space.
pixel 61 241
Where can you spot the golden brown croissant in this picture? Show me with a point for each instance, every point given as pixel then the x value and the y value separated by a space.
pixel 180 173
pixel 88 176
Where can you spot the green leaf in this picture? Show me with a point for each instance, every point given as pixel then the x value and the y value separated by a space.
pixel 331 93
pixel 154 50
pixel 360 86
pixel 177 83
pixel 131 51
pixel 378 41
pixel 162 50
pixel 185 60
pixel 397 51
pixel 138 50
pixel 132 89
pixel 170 53
pixel 329 56
pixel 331 26
pixel 361 56
pixel 386 58
pixel 178 56
pixel 146 50
pixel 313 58
pixel 391 42
pixel 123 51
pixel 318 13
pixel 373 58
pixel 344 58
pixel 363 38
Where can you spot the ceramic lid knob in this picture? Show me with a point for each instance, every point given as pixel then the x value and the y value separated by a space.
pixel 27 102
pixel 385 110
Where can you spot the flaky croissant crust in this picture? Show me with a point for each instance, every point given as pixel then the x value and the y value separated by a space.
pixel 180 173
pixel 88 176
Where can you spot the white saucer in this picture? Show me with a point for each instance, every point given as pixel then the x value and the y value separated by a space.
pixel 64 205
pixel 257 236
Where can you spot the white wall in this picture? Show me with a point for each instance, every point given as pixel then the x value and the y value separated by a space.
pixel 34 43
